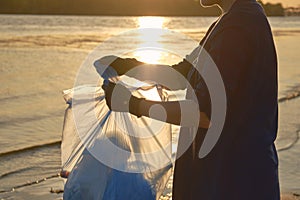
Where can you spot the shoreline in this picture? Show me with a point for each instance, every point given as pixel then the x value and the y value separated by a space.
pixel 290 196
pixel 53 189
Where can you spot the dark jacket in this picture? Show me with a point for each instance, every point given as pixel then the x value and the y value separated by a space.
pixel 243 165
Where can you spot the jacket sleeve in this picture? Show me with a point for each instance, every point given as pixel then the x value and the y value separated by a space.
pixel 232 51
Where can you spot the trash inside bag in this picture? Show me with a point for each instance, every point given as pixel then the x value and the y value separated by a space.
pixel 114 155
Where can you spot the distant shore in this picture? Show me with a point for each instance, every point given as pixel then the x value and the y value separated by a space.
pixel 126 8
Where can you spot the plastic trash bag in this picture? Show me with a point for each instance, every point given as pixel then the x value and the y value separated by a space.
pixel 114 155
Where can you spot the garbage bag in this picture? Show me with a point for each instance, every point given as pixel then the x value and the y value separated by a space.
pixel 114 155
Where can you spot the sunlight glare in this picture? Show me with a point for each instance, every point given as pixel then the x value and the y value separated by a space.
pixel 150 56
pixel 151 22
pixel 150 36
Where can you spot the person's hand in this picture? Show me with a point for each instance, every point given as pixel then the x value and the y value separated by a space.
pixel 107 60
pixel 102 63
pixel 120 65
pixel 117 96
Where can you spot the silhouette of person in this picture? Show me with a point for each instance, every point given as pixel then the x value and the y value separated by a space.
pixel 243 165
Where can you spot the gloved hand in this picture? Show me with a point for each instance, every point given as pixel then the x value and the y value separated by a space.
pixel 121 65
pixel 117 96
pixel 106 60
pixel 102 63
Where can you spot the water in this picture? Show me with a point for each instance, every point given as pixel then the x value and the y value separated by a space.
pixel 40 56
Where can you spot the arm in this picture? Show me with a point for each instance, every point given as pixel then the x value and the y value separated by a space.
pixel 124 65
pixel 183 113
pixel 173 77
pixel 232 52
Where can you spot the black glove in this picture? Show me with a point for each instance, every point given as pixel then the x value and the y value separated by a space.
pixel 117 96
pixel 121 65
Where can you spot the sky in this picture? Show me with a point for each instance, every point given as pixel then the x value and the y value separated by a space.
pixel 285 3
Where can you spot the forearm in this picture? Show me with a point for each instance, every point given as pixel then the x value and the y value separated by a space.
pixel 173 77
pixel 184 113
pixel 123 65
pixel 183 67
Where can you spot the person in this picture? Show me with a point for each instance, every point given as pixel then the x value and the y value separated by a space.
pixel 243 165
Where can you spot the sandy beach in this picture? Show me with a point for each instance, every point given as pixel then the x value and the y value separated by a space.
pixel 294 196
pixel 56 59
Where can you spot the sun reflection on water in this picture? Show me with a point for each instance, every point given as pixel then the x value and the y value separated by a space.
pixel 151 22
pixel 150 49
